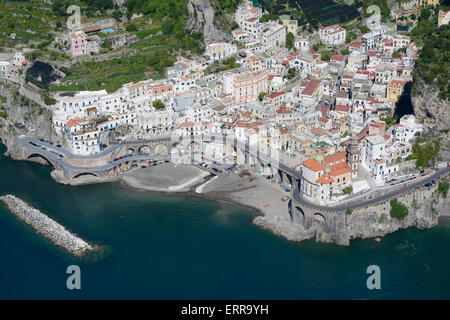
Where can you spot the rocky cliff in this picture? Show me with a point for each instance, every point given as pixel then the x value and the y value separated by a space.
pixel 427 106
pixel 22 116
pixel 202 18
pixel 424 208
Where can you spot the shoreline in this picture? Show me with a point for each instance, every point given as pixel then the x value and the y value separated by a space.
pixel 244 197
pixel 273 218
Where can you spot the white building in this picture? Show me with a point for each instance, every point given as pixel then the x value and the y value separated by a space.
pixel 407 128
pixel 219 51
pixel 274 34
pixel 332 35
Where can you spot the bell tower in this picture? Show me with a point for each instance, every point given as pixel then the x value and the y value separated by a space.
pixel 353 155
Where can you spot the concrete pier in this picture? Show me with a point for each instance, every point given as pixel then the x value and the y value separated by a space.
pixel 46 226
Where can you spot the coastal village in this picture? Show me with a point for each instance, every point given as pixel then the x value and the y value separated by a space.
pixel 327 115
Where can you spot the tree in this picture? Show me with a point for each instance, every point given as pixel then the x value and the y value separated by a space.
pixel 290 40
pixel 348 190
pixel 425 14
pixel 398 210
pixel 262 95
pixel 158 104
pixel 167 26
pixel 131 27
pixel 443 188
pixel 326 55
pixel 291 73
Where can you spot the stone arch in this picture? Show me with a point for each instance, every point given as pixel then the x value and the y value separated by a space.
pixel 193 146
pixel 130 150
pixel 319 220
pixel 289 179
pixel 179 154
pixel 161 149
pixel 145 149
pixel 280 176
pixel 299 216
pixel 85 174
pixel 40 156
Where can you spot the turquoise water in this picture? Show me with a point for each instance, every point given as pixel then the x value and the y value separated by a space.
pixel 167 247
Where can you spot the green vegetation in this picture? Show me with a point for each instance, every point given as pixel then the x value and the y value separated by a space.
pixel 3 113
pixel 443 189
pixel 317 46
pixel 363 29
pixel 382 4
pixel 425 153
pixel 111 74
pixel 290 40
pixel 291 73
pixel 326 55
pixel 161 36
pixel 28 20
pixel 390 121
pixel 224 65
pixel 347 190
pixel 348 212
pixel 49 101
pixel 229 6
pixel 398 53
pixel 433 65
pixel 262 95
pixel 268 17
pixel 398 210
pixel 158 104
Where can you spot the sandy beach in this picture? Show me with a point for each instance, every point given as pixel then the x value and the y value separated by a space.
pixel 165 177
pixel 260 195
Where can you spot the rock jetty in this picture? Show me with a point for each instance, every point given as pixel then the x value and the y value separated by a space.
pixel 46 226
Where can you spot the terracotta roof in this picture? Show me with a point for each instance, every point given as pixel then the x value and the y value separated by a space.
pixel 325 179
pixel 313 165
pixel 274 95
pixel 312 85
pixel 335 157
pixel 284 110
pixel 355 44
pixel 72 122
pixel 340 171
pixel 342 108
pixel 337 57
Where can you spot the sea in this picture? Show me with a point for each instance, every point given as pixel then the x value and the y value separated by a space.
pixel 178 247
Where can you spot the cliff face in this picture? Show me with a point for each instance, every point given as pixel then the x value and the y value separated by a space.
pixel 428 106
pixel 201 18
pixel 424 208
pixel 24 117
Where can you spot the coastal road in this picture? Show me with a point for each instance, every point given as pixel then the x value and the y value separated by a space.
pixel 390 194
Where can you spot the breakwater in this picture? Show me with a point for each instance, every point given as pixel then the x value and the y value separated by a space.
pixel 48 227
